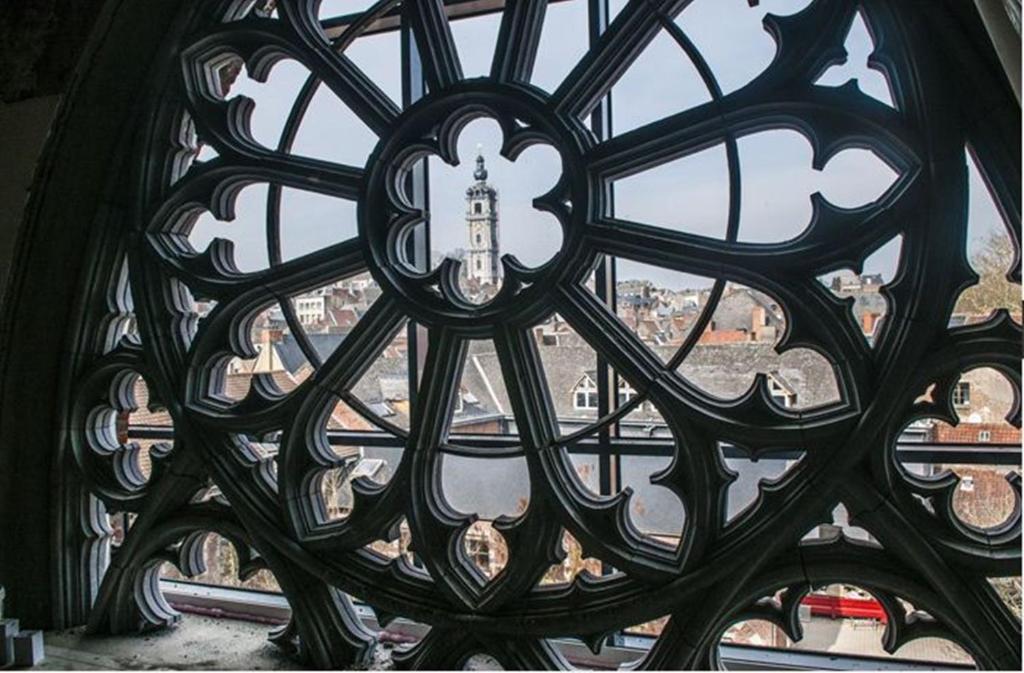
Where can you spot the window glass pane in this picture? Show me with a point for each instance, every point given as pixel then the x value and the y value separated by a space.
pixel 689 194
pixel 991 254
pixel 222 568
pixel 475 38
pixel 739 342
pixel 570 370
pixel 659 83
pixel 482 406
pixel 732 38
pixel 751 476
pixel 982 399
pixel 654 510
pixel 573 564
pixel 563 42
pixel 487 487
pixel 1008 590
pixel 384 388
pixel 482 209
pixel 832 622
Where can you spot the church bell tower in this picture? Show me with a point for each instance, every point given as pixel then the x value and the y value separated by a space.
pixel 482 262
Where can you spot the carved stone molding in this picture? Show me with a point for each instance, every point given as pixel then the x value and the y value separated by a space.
pixel 718 573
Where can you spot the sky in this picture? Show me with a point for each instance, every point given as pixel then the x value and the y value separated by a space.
pixel 688 194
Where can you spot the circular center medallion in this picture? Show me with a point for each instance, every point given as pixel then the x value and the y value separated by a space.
pixel 393 215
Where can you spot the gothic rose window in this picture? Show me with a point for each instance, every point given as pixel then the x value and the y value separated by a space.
pixel 689 383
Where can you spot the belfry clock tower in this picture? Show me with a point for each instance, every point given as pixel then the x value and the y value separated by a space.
pixel 482 223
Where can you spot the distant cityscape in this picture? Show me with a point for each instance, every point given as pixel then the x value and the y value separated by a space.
pixel 738 341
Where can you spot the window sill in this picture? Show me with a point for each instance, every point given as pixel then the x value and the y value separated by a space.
pixel 272 608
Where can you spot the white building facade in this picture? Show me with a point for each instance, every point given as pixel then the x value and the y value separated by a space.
pixel 482 259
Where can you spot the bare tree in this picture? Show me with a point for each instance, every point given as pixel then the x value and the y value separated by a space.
pixel 1008 589
pixel 988 503
pixel 993 291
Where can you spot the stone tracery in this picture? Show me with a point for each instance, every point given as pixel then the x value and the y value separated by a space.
pixel 268 507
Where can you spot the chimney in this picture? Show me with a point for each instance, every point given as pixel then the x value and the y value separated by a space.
pixel 868 322
pixel 271 336
pixel 758 319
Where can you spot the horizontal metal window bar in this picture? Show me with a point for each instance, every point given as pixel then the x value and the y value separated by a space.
pixel 267 607
pixel 391 20
pixel 985 454
pixel 753 658
pixel 507 446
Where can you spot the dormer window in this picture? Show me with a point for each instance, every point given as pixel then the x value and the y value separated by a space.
pixel 962 394
pixel 585 394
pixel 781 394
pixel 626 393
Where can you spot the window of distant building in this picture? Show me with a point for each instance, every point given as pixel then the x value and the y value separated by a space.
pixel 780 393
pixel 626 392
pixel 962 394
pixel 478 208
pixel 586 397
pixel 479 551
pixel 585 394
pixel 984 436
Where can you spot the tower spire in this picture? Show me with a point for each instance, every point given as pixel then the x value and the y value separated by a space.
pixel 481 172
pixel 482 263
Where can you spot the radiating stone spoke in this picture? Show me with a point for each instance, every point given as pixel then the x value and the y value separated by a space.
pixel 300 274
pixel 528 391
pixel 633 29
pixel 215 185
pixel 644 370
pixel 521 24
pixel 825 117
pixel 337 71
pixel 835 238
pixel 361 347
pixel 435 525
pixel 609 337
pixel 441 67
